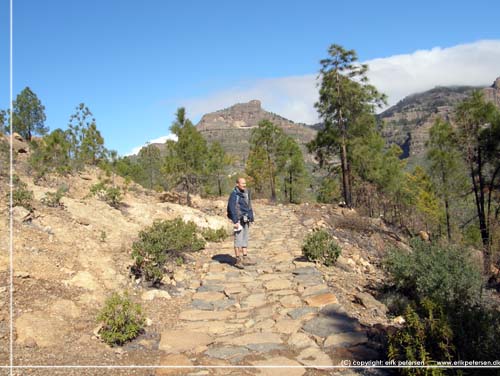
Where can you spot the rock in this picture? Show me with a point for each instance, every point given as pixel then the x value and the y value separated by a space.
pixel 287 326
pixel 20 214
pixel 209 296
pixel 210 287
pixel 279 284
pixel 21 274
pixel 302 312
pixel 153 294
pixel 291 301
pixel 174 360
pixel 301 340
pixel 308 222
pixel 281 361
pixel 227 352
pixel 253 301
pixel 324 326
pixel 306 270
pixel 84 280
pixel 347 339
pixel 197 315
pixel 321 300
pixel 252 338
pixel 370 303
pixel 43 329
pixel 179 275
pixel 265 347
pixel 179 341
pixel 314 357
pixel 399 320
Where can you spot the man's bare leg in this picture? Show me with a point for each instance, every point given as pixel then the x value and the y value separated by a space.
pixel 244 251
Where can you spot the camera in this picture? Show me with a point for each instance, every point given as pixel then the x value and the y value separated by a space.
pixel 245 219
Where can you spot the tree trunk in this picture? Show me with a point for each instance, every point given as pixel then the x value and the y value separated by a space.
pixel 290 181
pixel 345 175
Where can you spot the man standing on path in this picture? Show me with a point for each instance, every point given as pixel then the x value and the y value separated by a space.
pixel 239 210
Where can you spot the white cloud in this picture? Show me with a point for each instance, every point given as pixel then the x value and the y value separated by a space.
pixel 161 139
pixel 476 64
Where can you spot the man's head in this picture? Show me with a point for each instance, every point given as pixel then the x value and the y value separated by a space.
pixel 241 184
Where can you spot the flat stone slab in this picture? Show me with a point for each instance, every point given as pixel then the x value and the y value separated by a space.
pixel 178 341
pixel 291 301
pixel 279 361
pixel 306 270
pixel 173 360
pixel 252 338
pixel 278 284
pixel 314 357
pixel 202 305
pixel 209 296
pixel 287 326
pixel 321 300
pixel 253 301
pixel 347 339
pixel 315 290
pixel 324 326
pixel 265 347
pixel 213 327
pixel 210 287
pixel 301 340
pixel 199 315
pixel 227 352
pixel 300 312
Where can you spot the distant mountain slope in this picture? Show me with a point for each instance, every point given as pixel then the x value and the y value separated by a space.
pixel 408 122
pixel 232 127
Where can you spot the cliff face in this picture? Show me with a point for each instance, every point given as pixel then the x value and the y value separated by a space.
pixel 408 122
pixel 232 127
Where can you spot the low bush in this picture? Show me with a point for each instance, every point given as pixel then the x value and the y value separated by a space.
pixel 447 275
pixel 53 199
pixel 111 195
pixel 212 235
pixel 426 338
pixel 320 246
pixel 164 240
pixel 21 196
pixel 122 320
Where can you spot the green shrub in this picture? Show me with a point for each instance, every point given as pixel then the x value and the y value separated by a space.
pixel 111 195
pixel 121 318
pixel 212 235
pixel 53 199
pixel 21 196
pixel 320 246
pixel 426 339
pixel 162 241
pixel 446 275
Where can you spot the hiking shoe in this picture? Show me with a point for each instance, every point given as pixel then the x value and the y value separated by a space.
pixel 248 261
pixel 239 263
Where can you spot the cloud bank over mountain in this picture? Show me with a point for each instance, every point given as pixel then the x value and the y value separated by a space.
pixel 472 64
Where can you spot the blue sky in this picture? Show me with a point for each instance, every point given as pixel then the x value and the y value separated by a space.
pixel 134 62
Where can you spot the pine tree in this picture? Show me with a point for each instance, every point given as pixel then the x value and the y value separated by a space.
pixel 186 158
pixel 266 142
pixel 344 96
pixel 445 166
pixel 28 116
pixel 149 160
pixel 292 168
pixel 479 131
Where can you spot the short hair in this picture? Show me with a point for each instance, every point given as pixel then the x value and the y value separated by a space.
pixel 239 178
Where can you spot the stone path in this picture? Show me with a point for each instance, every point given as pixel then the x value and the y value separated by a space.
pixel 278 312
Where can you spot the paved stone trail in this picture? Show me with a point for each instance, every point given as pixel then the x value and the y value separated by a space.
pixel 278 312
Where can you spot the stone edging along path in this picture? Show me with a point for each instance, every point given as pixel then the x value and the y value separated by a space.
pixel 279 311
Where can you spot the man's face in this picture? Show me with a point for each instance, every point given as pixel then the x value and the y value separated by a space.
pixel 241 184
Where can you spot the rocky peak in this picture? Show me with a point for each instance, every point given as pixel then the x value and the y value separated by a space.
pixel 232 127
pixel 496 84
pixel 492 93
